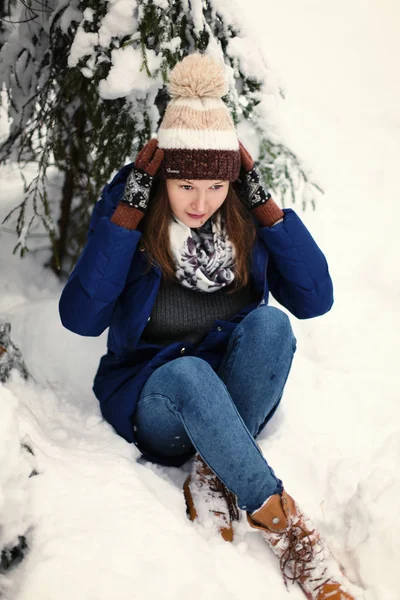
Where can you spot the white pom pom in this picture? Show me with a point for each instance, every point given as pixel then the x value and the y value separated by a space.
pixel 197 75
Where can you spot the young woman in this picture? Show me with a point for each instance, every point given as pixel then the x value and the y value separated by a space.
pixel 183 248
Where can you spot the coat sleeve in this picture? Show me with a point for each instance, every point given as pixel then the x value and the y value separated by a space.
pixel 298 274
pixel 88 299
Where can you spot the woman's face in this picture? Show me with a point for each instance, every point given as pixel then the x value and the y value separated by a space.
pixel 196 197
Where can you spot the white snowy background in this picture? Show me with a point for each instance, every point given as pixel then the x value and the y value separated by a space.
pixel 103 525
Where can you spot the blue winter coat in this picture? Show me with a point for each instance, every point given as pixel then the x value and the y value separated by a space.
pixel 108 288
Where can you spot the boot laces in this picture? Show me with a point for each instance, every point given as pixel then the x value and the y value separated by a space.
pixel 301 556
pixel 218 487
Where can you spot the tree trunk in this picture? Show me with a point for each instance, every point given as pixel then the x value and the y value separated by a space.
pixel 68 189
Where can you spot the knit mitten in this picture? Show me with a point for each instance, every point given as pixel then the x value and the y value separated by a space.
pixel 135 200
pixel 251 192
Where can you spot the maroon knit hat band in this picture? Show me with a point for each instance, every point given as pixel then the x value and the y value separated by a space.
pixel 223 165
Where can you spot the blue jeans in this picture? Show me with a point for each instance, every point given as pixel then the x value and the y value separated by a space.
pixel 186 404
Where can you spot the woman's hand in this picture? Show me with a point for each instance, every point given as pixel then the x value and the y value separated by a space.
pixel 251 192
pixel 140 179
pixel 249 187
pixel 134 203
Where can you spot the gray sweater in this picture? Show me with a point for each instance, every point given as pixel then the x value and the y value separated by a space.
pixel 182 315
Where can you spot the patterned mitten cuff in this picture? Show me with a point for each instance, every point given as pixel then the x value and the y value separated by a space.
pixel 251 189
pixel 257 200
pixel 133 204
pixel 137 189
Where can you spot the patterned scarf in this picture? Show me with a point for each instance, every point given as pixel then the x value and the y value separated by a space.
pixel 203 256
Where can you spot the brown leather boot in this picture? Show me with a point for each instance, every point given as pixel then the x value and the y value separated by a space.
pixel 206 496
pixel 303 556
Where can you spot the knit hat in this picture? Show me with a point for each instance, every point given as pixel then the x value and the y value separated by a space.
pixel 197 133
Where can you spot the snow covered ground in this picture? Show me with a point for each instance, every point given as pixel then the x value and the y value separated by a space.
pixel 101 524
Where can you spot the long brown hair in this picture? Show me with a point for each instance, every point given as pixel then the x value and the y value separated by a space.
pixel 155 233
